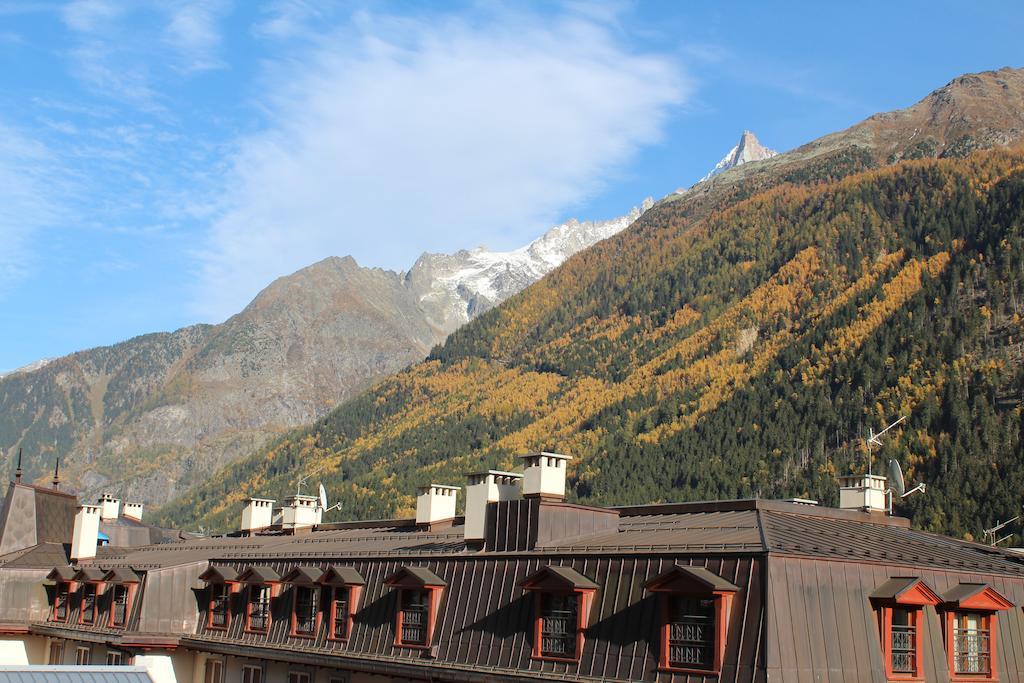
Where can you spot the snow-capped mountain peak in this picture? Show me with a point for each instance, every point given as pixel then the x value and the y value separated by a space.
pixel 748 149
pixel 453 288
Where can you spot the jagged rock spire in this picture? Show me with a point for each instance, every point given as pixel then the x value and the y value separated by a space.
pixel 748 149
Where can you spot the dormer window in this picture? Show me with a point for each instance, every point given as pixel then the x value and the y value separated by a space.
pixel 345 586
pixel 969 625
pixel 60 602
pixel 257 611
pixel 695 607
pixel 900 604
pixel 64 585
pixel 91 581
pixel 220 614
pixel 305 583
pixel 221 583
pixel 123 583
pixel 562 599
pixel 419 593
pixel 304 612
pixel 88 614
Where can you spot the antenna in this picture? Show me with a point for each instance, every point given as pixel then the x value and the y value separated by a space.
pixel 323 501
pixel 299 483
pixel 896 477
pixel 874 440
pixel 990 534
pixel 17 472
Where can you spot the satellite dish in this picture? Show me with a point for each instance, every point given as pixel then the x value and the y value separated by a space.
pixel 896 477
pixel 323 497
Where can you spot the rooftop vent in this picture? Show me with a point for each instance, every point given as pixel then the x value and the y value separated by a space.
pixel 544 475
pixel 257 514
pixel 435 503
pixel 486 487
pixel 862 492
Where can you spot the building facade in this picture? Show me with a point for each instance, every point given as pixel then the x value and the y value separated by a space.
pixel 528 587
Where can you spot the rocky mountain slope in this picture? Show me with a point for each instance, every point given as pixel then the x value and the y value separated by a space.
pixel 151 416
pixel 748 149
pixel 738 340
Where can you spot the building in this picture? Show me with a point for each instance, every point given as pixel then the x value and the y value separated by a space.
pixel 527 587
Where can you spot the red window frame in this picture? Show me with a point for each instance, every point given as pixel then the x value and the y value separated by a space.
pixel 227 591
pixel 61 599
pixel 314 605
pixel 885 632
pixel 721 607
pixel 249 602
pixel 87 588
pixel 984 601
pixel 346 618
pixel 433 600
pixel 583 602
pixel 129 589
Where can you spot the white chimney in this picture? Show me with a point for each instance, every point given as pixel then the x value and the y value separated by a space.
pixel 862 492
pixel 110 507
pixel 300 512
pixel 544 475
pixel 258 513
pixel 133 510
pixel 435 503
pixel 483 488
pixel 86 532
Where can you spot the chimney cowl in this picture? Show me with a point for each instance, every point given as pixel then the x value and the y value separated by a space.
pixel 544 475
pixel 866 492
pixel 133 511
pixel 489 486
pixel 300 512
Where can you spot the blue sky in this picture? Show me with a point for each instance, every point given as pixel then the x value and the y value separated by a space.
pixel 160 162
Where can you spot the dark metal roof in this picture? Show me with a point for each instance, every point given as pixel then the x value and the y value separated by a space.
pixel 698 576
pixel 74 674
pixel 342 576
pixel 894 587
pixel 259 574
pixel 307 576
pixel 33 514
pixel 217 574
pixel 62 573
pixel 566 576
pixel 963 591
pixel 90 574
pixel 420 576
pixel 121 575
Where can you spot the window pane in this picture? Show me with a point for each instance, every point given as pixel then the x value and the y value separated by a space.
pixel 214 671
pixel 904 642
pixel 61 611
pixel 219 605
pixel 340 611
pixel 305 610
pixel 415 610
pixel 89 603
pixel 259 608
pixel 971 644
pixel 120 605
pixel 558 625
pixel 691 632
pixel 252 674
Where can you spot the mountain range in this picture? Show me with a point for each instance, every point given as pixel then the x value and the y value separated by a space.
pixel 739 339
pixel 151 416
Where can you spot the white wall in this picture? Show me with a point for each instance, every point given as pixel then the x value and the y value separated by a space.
pixel 176 667
pixel 22 650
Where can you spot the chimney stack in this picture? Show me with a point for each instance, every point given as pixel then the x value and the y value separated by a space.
pixel 133 511
pixel 110 507
pixel 86 532
pixel 257 514
pixel 486 487
pixel 864 492
pixel 435 503
pixel 544 475
pixel 300 512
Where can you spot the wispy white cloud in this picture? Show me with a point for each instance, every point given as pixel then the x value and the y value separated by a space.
pixel 397 135
pixel 27 185
pixel 121 48
pixel 285 19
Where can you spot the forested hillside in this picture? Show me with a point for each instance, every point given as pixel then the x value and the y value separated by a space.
pixel 736 345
